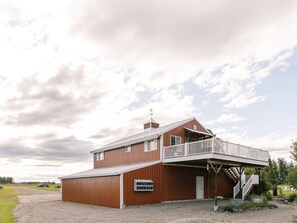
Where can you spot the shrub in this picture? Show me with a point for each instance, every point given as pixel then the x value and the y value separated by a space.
pixel 228 207
pixel 268 195
pixel 292 197
pixel 247 205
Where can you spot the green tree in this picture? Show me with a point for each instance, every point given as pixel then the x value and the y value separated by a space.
pixel 292 176
pixel 282 170
pixel 273 174
pixel 264 184
pixel 294 152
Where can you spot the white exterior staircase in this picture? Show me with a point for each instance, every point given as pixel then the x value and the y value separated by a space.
pixel 247 182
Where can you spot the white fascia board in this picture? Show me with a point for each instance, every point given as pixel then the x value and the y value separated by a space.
pixel 222 157
pixel 89 175
pixel 196 131
pixel 203 127
pixel 127 142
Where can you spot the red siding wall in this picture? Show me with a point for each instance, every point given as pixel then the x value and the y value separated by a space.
pixel 179 131
pixel 120 157
pixel 173 183
pixel 103 191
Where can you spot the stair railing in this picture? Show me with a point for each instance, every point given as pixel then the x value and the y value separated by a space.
pixel 236 189
pixel 254 179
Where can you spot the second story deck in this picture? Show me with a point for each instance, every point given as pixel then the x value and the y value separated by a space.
pixel 215 149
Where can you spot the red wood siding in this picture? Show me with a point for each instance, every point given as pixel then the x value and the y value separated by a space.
pixel 137 198
pixel 103 191
pixel 173 183
pixel 180 183
pixel 179 131
pixel 120 157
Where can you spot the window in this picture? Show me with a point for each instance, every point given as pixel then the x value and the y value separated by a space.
pixel 150 145
pixel 100 156
pixel 195 127
pixel 175 140
pixel 128 149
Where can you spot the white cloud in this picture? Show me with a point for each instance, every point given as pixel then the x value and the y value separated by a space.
pixel 226 118
pixel 81 68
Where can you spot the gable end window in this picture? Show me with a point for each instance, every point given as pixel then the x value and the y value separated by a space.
pixel 100 156
pixel 128 149
pixel 150 145
pixel 175 140
pixel 195 127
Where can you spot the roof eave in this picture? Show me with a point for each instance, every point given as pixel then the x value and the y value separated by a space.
pixel 126 143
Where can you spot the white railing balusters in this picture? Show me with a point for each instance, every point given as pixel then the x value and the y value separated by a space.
pixel 254 179
pixel 236 189
pixel 214 145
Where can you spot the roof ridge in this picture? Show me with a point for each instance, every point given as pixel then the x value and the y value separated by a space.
pixel 142 135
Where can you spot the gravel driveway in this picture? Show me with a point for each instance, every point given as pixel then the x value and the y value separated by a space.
pixel 187 212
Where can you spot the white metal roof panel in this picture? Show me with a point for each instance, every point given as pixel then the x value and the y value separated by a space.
pixel 143 136
pixel 109 171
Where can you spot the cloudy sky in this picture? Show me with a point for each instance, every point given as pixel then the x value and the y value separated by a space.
pixel 76 75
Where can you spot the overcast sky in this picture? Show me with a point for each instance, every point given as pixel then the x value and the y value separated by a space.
pixel 76 75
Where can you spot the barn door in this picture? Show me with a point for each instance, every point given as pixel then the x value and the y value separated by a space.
pixel 199 187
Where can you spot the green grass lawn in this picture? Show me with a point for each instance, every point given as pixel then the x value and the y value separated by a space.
pixel 35 186
pixel 8 201
pixel 51 187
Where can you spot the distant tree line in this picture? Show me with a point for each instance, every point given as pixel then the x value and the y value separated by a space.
pixel 6 180
pixel 278 171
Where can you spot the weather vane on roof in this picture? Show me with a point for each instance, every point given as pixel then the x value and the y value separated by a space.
pixel 151 113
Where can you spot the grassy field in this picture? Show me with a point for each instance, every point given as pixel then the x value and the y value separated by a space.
pixel 8 201
pixel 35 186
pixel 51 187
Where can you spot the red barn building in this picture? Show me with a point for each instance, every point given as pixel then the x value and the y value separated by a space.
pixel 179 161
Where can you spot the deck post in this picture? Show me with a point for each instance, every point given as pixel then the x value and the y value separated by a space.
pixel 216 169
pixel 241 170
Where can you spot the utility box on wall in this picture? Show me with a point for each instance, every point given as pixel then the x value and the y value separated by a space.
pixel 143 185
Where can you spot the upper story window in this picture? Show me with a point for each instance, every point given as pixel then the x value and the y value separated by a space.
pixel 194 127
pixel 128 149
pixel 150 145
pixel 175 140
pixel 100 156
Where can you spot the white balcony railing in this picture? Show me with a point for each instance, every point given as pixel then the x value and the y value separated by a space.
pixel 214 145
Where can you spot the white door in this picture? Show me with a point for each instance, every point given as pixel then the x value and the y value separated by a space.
pixel 199 187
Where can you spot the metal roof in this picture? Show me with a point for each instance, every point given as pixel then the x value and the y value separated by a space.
pixel 143 136
pixel 109 171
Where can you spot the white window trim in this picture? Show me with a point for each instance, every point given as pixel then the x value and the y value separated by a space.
pixel 100 156
pixel 128 149
pixel 180 139
pixel 146 149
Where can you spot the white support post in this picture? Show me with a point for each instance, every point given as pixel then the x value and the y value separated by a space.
pixel 212 146
pixel 162 152
pixel 186 149
pixel 121 191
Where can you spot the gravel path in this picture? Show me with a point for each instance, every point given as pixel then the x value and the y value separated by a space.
pixel 187 212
